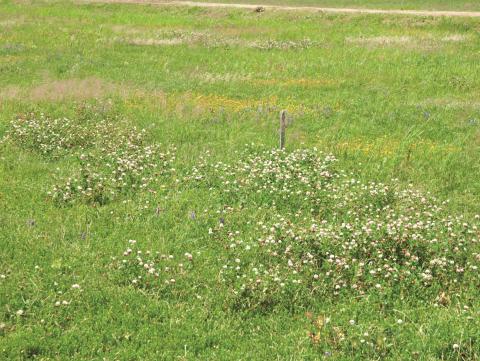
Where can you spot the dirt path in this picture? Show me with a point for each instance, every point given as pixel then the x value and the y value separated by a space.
pixel 471 14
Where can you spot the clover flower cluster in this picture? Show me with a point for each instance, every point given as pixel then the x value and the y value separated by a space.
pixel 273 177
pixel 55 137
pixel 110 172
pixel 46 135
pixel 386 252
pixel 113 157
pixel 325 233
pixel 152 270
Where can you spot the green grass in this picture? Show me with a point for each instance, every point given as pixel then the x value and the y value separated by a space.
pixel 462 5
pixel 390 96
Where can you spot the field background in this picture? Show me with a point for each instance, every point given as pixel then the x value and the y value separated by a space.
pixel 391 96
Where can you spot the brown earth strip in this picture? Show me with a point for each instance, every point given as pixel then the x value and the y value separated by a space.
pixel 472 14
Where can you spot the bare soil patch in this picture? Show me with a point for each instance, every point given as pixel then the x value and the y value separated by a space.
pixel 302 8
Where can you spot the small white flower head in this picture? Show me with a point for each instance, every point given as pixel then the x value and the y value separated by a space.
pixel 76 286
pixel 456 346
pixel 65 303
pixel 20 312
pixel 57 303
pixel 132 241
pixel 351 322
pixel 189 256
pixel 399 321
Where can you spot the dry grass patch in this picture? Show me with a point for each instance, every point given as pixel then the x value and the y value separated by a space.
pixel 411 21
pixel 211 78
pixel 302 82
pixel 406 41
pixel 57 90
pixel 8 23
pixel 126 29
pixel 379 40
pixel 164 38
pixel 450 103
pixel 241 30
pixel 219 37
pixel 141 42
pixel 456 38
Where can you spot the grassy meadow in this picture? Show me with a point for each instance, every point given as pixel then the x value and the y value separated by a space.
pixel 146 215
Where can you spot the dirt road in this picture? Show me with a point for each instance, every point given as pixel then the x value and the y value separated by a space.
pixel 472 14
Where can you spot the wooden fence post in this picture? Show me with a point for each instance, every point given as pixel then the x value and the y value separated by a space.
pixel 283 124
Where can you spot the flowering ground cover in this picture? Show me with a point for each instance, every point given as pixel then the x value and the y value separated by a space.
pixel 146 211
